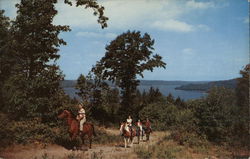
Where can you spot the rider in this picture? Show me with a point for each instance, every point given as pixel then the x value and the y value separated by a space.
pixel 139 124
pixel 148 124
pixel 81 117
pixel 129 122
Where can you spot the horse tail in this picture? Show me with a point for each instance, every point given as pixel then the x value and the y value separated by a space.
pixel 93 130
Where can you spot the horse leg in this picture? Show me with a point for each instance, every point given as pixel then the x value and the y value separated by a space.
pixel 82 137
pixel 138 137
pixel 72 137
pixel 125 142
pixel 147 135
pixel 142 134
pixel 90 141
pixel 132 141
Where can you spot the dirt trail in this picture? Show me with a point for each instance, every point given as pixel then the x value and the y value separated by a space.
pixel 58 152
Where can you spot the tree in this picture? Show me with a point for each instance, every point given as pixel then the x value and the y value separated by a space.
pixel 111 103
pixel 98 9
pixel 29 76
pixel 215 114
pixel 127 57
pixel 4 62
pixel 33 85
pixel 170 98
pixel 90 90
pixel 241 123
pixel 84 87
pixel 242 89
pixel 179 103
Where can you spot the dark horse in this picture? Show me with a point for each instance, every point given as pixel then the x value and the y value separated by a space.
pixel 147 129
pixel 88 128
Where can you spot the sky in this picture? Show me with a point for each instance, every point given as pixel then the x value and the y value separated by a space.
pixel 200 40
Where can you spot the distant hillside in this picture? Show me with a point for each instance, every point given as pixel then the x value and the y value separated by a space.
pixel 160 82
pixel 72 83
pixel 206 86
pixel 68 83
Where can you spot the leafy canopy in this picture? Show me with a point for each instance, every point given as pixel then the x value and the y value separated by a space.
pixel 129 55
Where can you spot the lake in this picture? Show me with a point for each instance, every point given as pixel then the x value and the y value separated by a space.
pixel 164 89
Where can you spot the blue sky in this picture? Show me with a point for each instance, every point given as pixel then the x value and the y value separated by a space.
pixel 199 40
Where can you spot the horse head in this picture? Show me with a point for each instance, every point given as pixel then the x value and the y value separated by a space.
pixel 64 114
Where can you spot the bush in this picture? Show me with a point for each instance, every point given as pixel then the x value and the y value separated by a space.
pixel 215 114
pixel 162 115
pixel 24 131
pixel 188 139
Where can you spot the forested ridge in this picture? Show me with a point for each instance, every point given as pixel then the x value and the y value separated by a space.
pixel 72 83
pixel 208 85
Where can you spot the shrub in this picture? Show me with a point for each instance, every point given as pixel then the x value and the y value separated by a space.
pixel 215 114
pixel 24 131
pixel 188 139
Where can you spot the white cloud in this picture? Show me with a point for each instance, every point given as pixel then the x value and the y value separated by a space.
pixel 96 35
pixel 134 14
pixel 188 51
pixel 131 14
pixel 173 25
pixel 199 5
pixel 78 17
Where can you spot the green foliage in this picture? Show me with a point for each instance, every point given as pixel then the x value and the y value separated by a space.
pixel 30 91
pixel 170 98
pixel 98 10
pixel 4 60
pixel 241 113
pixel 243 88
pixel 24 131
pixel 85 88
pixel 126 57
pixel 163 115
pixel 190 139
pixel 100 101
pixel 215 114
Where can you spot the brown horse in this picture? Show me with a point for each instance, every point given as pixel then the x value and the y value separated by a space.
pixel 88 128
pixel 128 134
pixel 147 129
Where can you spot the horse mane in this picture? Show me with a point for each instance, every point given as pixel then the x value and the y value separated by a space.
pixel 71 113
